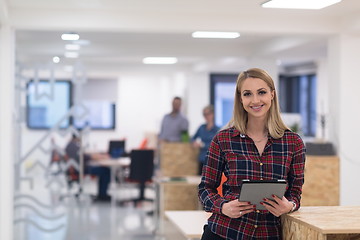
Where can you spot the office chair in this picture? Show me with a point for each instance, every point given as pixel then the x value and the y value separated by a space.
pixel 141 171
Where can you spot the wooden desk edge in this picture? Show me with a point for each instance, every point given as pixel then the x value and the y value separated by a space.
pixel 323 231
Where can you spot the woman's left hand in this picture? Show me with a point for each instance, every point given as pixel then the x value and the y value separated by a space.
pixel 277 206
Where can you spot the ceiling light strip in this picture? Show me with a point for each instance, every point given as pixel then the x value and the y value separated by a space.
pixel 205 34
pixel 70 36
pixel 160 60
pixel 299 4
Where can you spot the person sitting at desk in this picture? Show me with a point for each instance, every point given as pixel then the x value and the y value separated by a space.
pixel 103 173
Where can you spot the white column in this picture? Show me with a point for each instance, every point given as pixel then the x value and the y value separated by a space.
pixel 344 113
pixel 7 62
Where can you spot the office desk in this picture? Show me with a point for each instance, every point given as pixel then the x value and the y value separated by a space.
pixel 190 223
pixel 322 223
pixel 114 165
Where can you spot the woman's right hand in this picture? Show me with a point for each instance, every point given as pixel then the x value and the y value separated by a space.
pixel 196 144
pixel 236 209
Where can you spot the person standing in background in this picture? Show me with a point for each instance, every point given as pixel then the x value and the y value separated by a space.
pixel 173 124
pixel 205 134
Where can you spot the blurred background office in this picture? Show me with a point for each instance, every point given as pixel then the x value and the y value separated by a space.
pixel 67 66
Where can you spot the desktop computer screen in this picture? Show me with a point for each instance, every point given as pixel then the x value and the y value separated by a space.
pixel 117 148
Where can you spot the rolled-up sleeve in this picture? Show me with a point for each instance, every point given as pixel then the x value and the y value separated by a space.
pixel 211 178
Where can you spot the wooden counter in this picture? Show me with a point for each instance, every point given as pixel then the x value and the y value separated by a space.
pixel 181 194
pixel 321 187
pixel 178 159
pixel 322 223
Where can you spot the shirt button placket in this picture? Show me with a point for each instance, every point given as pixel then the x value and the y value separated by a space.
pixel 261 171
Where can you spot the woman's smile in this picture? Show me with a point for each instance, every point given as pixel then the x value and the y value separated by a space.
pixel 257 108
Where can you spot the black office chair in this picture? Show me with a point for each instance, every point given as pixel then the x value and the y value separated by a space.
pixel 141 172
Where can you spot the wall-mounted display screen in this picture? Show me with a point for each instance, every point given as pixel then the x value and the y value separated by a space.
pixel 97 115
pixel 47 104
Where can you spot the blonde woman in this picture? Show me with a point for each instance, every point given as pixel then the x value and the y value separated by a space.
pixel 257 145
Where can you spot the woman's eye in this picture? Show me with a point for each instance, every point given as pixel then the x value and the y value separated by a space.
pixel 262 92
pixel 246 94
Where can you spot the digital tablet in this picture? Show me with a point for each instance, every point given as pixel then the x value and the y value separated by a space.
pixel 255 191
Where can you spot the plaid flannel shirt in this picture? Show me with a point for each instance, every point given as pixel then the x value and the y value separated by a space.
pixel 236 156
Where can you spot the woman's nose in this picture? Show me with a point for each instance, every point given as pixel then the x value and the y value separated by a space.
pixel 255 98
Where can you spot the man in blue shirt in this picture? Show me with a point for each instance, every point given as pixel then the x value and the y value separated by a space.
pixel 205 134
pixel 173 124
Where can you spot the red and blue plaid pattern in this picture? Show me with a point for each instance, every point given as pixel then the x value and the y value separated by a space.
pixel 236 155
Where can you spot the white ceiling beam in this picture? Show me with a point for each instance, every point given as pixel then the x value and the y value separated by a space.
pixel 92 20
pixel 278 45
pixel 4 12
pixel 351 23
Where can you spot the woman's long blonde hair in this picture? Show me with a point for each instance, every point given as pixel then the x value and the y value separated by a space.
pixel 274 124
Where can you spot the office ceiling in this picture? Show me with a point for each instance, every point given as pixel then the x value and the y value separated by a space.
pixel 121 33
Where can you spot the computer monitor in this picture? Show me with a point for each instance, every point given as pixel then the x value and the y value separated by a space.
pixel 116 148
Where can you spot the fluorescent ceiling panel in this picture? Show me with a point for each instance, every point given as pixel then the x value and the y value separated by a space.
pixel 204 34
pixel 72 47
pixel 160 60
pixel 299 4
pixel 70 36
pixel 71 54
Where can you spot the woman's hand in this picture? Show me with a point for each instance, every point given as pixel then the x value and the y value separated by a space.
pixel 196 144
pixel 236 209
pixel 278 206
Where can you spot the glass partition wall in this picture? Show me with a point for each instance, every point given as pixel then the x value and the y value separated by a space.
pixel 42 190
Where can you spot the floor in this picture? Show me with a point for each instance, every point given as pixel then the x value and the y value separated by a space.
pixel 43 213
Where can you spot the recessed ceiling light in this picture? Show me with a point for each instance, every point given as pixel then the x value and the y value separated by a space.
pixel 56 59
pixel 204 34
pixel 82 42
pixel 70 36
pixel 160 60
pixel 71 54
pixel 299 4
pixel 73 47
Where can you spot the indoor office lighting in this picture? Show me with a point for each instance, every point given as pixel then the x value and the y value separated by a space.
pixel 72 47
pixel 70 36
pixel 299 4
pixel 56 59
pixel 160 60
pixel 202 34
pixel 71 54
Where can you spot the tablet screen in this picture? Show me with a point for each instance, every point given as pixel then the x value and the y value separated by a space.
pixel 255 191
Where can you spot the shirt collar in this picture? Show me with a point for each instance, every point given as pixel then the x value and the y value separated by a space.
pixel 237 133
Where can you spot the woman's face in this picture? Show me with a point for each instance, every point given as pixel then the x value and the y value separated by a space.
pixel 256 97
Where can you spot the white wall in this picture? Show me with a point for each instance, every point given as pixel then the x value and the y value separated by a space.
pixel 7 136
pixel 343 99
